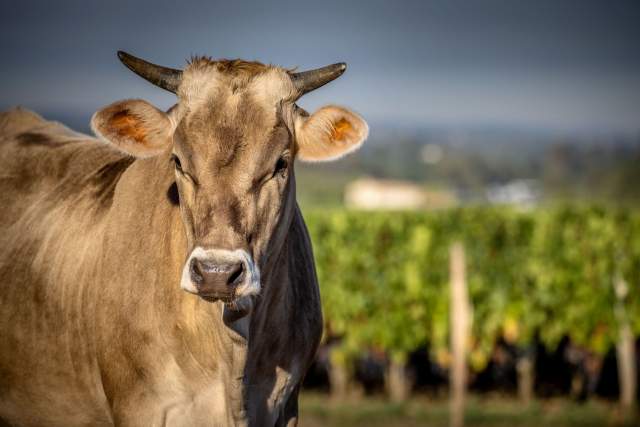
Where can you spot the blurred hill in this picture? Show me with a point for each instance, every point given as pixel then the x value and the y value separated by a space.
pixel 473 162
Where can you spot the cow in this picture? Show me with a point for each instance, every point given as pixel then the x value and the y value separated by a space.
pixel 162 273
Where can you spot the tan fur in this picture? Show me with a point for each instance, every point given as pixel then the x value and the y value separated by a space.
pixel 330 133
pixel 18 120
pixel 95 328
pixel 135 127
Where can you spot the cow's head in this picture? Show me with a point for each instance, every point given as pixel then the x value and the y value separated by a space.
pixel 232 139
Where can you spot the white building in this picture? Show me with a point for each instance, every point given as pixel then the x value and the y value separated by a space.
pixel 369 193
pixel 520 192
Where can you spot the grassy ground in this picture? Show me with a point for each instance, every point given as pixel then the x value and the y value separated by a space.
pixel 317 410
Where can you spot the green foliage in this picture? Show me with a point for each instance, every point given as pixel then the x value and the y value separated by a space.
pixel 384 276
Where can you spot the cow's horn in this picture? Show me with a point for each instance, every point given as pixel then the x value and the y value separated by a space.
pixel 166 78
pixel 306 81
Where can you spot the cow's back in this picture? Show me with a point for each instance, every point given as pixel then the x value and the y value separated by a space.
pixel 54 185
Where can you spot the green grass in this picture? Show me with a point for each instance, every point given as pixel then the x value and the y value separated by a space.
pixel 318 410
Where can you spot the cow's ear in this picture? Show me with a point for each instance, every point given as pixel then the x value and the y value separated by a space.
pixel 329 133
pixel 135 127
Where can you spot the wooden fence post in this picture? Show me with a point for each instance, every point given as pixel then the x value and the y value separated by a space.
pixel 338 382
pixel 525 368
pixel 397 383
pixel 460 318
pixel 625 349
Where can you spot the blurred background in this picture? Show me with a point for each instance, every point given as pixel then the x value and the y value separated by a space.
pixel 479 258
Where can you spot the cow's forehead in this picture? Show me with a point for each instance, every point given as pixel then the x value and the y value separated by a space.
pixel 232 117
pixel 205 82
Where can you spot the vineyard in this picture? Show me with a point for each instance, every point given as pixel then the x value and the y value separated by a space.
pixel 545 275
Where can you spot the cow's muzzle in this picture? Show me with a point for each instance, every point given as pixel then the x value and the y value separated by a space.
pixel 212 278
pixel 218 274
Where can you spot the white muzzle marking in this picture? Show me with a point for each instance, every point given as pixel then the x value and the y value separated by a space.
pixel 251 282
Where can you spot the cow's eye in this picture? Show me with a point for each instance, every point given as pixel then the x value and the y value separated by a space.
pixel 176 162
pixel 281 166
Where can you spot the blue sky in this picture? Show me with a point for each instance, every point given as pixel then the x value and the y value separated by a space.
pixel 548 64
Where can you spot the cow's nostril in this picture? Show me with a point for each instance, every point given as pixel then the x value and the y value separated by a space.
pixel 196 272
pixel 236 275
pixel 211 277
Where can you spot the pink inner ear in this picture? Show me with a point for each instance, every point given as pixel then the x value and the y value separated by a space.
pixel 127 125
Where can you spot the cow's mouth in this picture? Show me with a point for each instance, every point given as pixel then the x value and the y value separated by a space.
pixel 226 298
pixel 233 302
pixel 236 305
